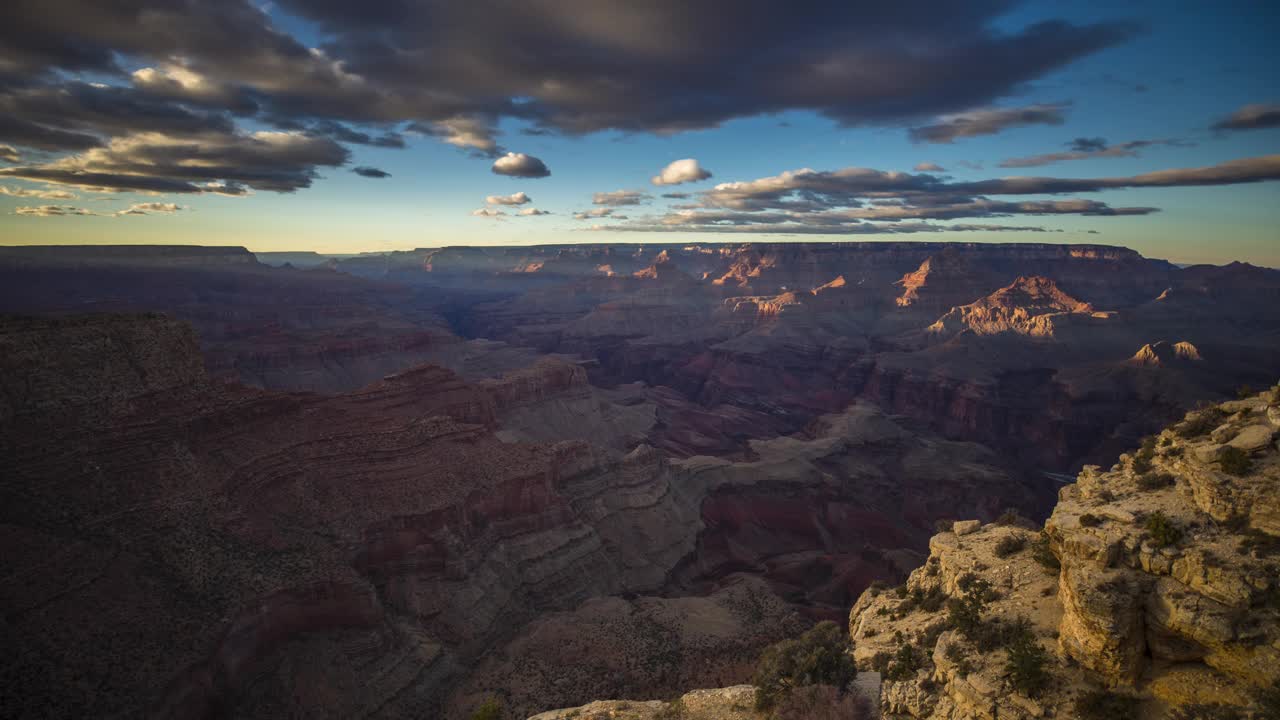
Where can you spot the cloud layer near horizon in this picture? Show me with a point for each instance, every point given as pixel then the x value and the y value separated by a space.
pixel 865 200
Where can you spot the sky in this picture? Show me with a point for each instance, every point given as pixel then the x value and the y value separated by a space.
pixel 392 124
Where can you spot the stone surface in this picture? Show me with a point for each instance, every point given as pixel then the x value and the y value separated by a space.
pixel 1191 621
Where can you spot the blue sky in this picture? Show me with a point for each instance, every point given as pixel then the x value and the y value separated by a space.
pixel 1188 67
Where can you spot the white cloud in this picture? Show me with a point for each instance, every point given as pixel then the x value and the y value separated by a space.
pixel 149 208
pixel 601 212
pixel 530 212
pixel 520 165
pixel 519 198
pixel 51 210
pixel 488 213
pixel 620 197
pixel 42 194
pixel 681 171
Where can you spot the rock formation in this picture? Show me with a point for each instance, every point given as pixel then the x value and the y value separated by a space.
pixel 1152 587
pixel 1156 581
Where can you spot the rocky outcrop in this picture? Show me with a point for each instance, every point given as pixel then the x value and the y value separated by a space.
pixel 730 703
pixel 1155 580
pixel 1030 306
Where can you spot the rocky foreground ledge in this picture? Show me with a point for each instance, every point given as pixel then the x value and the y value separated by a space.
pixel 1153 591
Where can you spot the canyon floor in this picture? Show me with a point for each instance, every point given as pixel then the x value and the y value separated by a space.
pixel 397 485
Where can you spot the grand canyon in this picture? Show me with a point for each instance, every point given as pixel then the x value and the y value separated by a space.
pixel 639 360
pixel 397 485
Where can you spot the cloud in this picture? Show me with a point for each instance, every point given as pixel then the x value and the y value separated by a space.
pixel 520 165
pixel 676 195
pixel 620 197
pixel 150 208
pixel 225 163
pixel 929 167
pixel 849 229
pixel 342 133
pixel 1087 149
pixel 370 172
pixel 602 212
pixel 9 154
pixel 1251 117
pixel 42 194
pixel 74 115
pixel 563 66
pixel 488 213
pixel 519 198
pixel 856 200
pixel 681 171
pixel 987 122
pixel 1085 144
pixel 532 212
pixel 51 210
pixel 467 132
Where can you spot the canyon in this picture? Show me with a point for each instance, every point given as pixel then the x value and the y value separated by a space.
pixel 395 485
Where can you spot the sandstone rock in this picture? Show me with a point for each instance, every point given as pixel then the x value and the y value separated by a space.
pixel 1253 438
pixel 1181 619
pixel 965 527
pixel 1224 432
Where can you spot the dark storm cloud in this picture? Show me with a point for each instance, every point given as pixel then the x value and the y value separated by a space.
pixel 457 70
pixel 1087 149
pixel 856 200
pixel 370 172
pixel 1251 117
pixel 574 65
pixel 223 163
pixel 342 133
pixel 987 122
pixel 33 135
pixel 73 115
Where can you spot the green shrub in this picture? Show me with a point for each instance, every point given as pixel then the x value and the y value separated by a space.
pixel 959 654
pixel 1258 543
pixel 1010 544
pixel 1104 705
pixel 818 657
pixel 490 709
pixel 1234 461
pixel 1244 392
pixel 1155 481
pixel 1026 664
pixel 1204 421
pixel 1011 517
pixel 1090 520
pixel 1205 712
pixel 1268 702
pixel 904 663
pixel 1042 553
pixel 1141 462
pixel 823 702
pixel 1163 531
pixel 674 710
